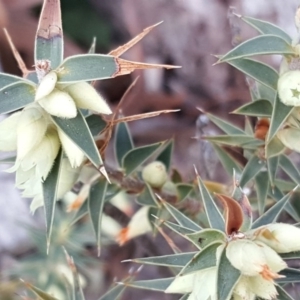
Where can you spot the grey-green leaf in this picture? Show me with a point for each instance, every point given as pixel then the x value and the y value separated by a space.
pixel 290 275
pixel 264 27
pixel 87 67
pixel 123 141
pixel 41 294
pixel 183 190
pixel 181 230
pixel 7 79
pixel 114 293
pixel 247 142
pixel 262 186
pixel 272 164
pixel 147 197
pixel 96 124
pixel 78 131
pixel 260 45
pixel 137 156
pixel 258 108
pixel 265 92
pixel 152 285
pixel 166 155
pixel 227 277
pixel 213 213
pixel 257 70
pixel 95 205
pixel 16 96
pixel 288 166
pixel 282 294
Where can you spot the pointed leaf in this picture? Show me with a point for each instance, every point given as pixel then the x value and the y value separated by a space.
pixel 183 190
pixel 290 275
pixel 291 255
pixel 181 230
pixel 202 260
pixel 227 277
pixel 50 187
pixel 185 297
pixel 205 237
pixel 41 294
pixel 266 92
pixel 95 206
pixel 82 211
pixel 49 42
pixel 262 185
pixel 78 131
pixel 137 156
pixel 264 27
pixel 16 96
pixel 123 141
pixel 8 160
pixel 147 197
pixel 166 155
pixel 254 165
pixel 279 115
pixel 114 293
pixel 213 213
pixel 258 108
pixel 289 168
pixel 244 141
pixel 274 147
pixel 173 260
pixel 282 294
pixel 260 45
pixel 152 285
pixel 7 79
pixel 258 71
pixel 96 124
pixel 181 218
pixel 272 164
pixel 271 215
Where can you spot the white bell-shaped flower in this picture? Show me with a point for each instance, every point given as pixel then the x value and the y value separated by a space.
pixel 8 133
pixel 289 88
pixel 46 85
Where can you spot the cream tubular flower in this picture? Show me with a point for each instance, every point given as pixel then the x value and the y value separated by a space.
pixel 86 97
pixel 8 133
pixel 46 85
pixel 242 290
pixel 289 88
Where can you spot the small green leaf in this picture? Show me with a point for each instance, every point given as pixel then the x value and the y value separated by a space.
pixel 87 67
pixel 147 197
pixel 41 294
pixel 279 115
pixel 244 141
pixel 123 141
pixel 181 230
pixel 271 215
pixel 291 255
pixel 202 260
pixel 262 185
pixel 258 108
pixel 96 124
pixel 260 45
pixel 274 147
pixel 7 79
pixel 137 156
pixel 49 41
pixel 290 275
pixel 78 131
pixel 264 27
pixel 183 190
pixel 228 162
pixel 172 260
pixel 166 155
pixel 272 165
pixel 152 285
pixel 95 205
pixel 16 96
pixel 205 237
pixel 254 165
pixel 282 294
pixel 50 186
pixel 182 219
pixel 258 71
pixel 8 160
pixel 213 213
pixel 289 168
pixel 227 277
pixel 114 293
pixel 266 92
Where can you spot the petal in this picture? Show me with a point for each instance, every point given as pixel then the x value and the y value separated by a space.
pixel 59 104
pixel 262 288
pixel 73 152
pixel 290 137
pixel 242 290
pixel 31 128
pixel 182 284
pixel 86 97
pixel 46 85
pixel 288 85
pixel 8 132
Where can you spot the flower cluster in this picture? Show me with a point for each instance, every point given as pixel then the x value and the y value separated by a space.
pixel 37 140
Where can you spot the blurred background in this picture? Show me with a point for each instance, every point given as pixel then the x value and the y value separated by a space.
pixel 192 32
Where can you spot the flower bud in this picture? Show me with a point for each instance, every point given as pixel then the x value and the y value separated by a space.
pixel 288 88
pixel 8 133
pixel 31 128
pixel 59 104
pixel 290 138
pixel 73 152
pixel 46 85
pixel 86 97
pixel 281 237
pixel 155 174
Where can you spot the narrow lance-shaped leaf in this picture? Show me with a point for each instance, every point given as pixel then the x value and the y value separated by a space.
pixel 78 131
pixel 123 141
pixel 166 155
pixel 114 293
pixel 279 115
pixel 272 164
pixel 152 285
pixel 282 294
pixel 227 277
pixel 258 108
pixel 50 187
pixel 265 92
pixel 183 190
pixel 147 197
pixel 96 124
pixel 213 213
pixel 181 230
pixel 82 211
pixel 266 28
pixel 274 147
pixel 7 79
pixel 288 166
pixel 95 205
pixel 16 96
pixel 265 44
pixel 289 275
pixel 137 156
pixel 247 142
pixel 262 184
pixel 49 42
pixel 41 294
pixel 257 70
